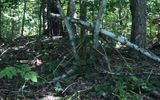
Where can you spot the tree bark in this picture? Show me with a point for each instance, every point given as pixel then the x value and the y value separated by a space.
pixel 45 17
pixel 69 29
pixel 139 16
pixel 83 14
pixel 71 12
pixel 13 21
pixel 0 19
pixel 83 33
pixel 51 26
pixel 98 22
pixel 23 20
pixel 40 17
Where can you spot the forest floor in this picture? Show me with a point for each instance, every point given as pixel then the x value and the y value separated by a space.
pixel 121 77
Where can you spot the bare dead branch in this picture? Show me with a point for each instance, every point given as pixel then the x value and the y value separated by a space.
pixel 118 38
pixel 98 21
pixel 69 29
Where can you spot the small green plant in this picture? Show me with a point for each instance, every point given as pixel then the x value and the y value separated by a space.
pixel 123 88
pixel 25 72
pixel 80 63
pixel 58 87
pixel 101 88
pixel 8 72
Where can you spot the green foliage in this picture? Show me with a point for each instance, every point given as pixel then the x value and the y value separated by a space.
pixel 124 88
pixel 115 10
pixel 31 76
pixel 82 62
pixel 12 18
pixel 84 67
pixel 50 66
pixel 8 72
pixel 25 72
pixel 117 18
pixel 58 87
pixel 100 88
pixel 138 83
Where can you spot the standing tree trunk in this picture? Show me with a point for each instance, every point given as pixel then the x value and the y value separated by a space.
pixel 51 26
pixel 40 18
pixel 138 31
pixel 120 16
pixel 71 12
pixel 69 29
pixel 0 19
pixel 13 21
pixel 23 20
pixel 98 22
pixel 44 17
pixel 83 14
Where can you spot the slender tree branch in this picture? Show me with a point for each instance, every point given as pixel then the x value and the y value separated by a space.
pixel 118 38
pixel 69 28
pixel 98 21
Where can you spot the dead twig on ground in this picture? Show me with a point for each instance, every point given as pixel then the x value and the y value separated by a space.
pixel 130 74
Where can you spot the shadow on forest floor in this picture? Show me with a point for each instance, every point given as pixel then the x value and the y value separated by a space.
pixel 51 57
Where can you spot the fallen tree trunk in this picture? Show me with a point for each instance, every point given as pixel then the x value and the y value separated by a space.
pixel 118 38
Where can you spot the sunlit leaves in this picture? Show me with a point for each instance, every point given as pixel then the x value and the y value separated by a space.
pixel 31 76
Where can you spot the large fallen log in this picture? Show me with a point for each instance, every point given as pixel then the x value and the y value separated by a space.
pixel 118 38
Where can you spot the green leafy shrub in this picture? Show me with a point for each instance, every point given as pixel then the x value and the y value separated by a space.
pixel 58 87
pixel 25 72
pixel 123 88
pixel 8 72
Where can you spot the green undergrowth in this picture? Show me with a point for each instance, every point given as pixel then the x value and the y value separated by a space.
pixel 25 73
pixel 118 87
pixel 125 88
